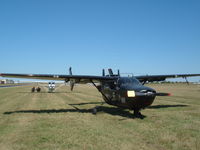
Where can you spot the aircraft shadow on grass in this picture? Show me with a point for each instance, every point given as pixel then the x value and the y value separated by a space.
pixel 150 107
pixel 165 106
pixel 110 110
pixel 115 111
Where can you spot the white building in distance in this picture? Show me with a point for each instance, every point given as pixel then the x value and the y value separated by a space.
pixel 6 81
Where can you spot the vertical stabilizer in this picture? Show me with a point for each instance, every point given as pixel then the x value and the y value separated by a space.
pixel 70 70
pixel 103 72
pixel 118 72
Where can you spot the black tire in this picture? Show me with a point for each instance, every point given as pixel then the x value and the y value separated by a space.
pixel 94 111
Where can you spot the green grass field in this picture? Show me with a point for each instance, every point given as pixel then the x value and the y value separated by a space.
pixel 62 120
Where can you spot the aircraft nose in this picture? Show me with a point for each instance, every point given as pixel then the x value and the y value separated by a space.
pixel 145 91
pixel 142 96
pixel 138 91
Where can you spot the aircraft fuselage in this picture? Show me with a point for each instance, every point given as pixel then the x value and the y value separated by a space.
pixel 127 92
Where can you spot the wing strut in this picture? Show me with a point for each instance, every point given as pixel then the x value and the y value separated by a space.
pixel 144 82
pixel 186 80
pixel 107 100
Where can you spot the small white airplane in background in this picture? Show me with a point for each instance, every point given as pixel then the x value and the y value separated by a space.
pixel 51 87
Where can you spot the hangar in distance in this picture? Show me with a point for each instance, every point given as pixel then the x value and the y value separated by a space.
pixel 124 92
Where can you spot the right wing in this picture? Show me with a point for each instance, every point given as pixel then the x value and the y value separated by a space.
pixel 151 78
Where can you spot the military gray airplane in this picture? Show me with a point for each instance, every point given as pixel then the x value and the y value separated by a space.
pixel 124 92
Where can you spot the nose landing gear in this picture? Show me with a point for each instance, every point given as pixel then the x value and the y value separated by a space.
pixel 137 114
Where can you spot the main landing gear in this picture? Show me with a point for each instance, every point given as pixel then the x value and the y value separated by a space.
pixel 94 111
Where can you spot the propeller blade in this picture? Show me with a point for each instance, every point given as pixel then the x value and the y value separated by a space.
pixel 162 94
pixel 152 94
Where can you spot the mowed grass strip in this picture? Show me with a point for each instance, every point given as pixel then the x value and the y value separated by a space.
pixel 63 120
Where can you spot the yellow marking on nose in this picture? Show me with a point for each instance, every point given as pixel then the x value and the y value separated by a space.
pixel 131 93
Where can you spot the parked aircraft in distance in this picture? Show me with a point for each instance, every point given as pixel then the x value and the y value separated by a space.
pixel 51 87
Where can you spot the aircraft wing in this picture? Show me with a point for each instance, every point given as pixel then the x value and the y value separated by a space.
pixel 66 78
pixel 151 78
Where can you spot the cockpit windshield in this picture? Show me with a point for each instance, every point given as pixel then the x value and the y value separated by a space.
pixel 128 80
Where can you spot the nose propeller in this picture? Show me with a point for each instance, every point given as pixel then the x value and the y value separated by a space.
pixel 163 94
pixel 151 93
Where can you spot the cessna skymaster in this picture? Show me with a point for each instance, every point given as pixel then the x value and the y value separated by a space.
pixel 124 92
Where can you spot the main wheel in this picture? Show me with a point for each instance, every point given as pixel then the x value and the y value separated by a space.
pixel 94 111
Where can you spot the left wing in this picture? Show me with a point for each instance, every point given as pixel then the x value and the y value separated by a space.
pixel 66 78
pixel 151 78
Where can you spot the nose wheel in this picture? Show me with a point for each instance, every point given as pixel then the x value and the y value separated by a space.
pixel 137 114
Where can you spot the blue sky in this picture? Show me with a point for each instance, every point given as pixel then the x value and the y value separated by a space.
pixel 138 36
